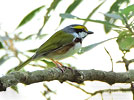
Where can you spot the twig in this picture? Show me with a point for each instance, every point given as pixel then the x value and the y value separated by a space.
pixel 99 91
pixel 78 87
pixel 110 57
pixel 127 25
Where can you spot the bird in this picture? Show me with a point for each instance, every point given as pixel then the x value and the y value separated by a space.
pixel 62 44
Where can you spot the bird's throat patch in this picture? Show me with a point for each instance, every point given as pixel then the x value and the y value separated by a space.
pixel 78 40
pixel 82 34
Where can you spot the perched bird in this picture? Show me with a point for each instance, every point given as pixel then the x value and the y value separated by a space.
pixel 64 43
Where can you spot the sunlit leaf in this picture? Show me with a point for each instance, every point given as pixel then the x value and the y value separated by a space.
pixel 71 8
pixel 93 11
pixel 89 47
pixel 28 17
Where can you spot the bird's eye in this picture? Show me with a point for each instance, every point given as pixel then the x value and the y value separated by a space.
pixel 79 30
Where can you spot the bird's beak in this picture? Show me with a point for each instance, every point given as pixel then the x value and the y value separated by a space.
pixel 90 32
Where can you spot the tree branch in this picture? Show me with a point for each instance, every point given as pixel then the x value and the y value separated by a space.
pixel 78 76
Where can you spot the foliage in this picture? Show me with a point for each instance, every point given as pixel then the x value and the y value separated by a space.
pixel 125 38
pixel 28 17
pixel 115 7
pixel 71 7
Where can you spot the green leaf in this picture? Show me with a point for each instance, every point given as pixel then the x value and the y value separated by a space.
pixel 47 16
pixel 71 8
pixel 42 36
pixel 3 59
pixel 68 16
pixel 28 17
pixel 1 46
pixel 116 5
pixel 49 63
pixel 28 37
pixel 53 6
pixel 113 15
pixel 91 20
pixel 128 10
pixel 15 88
pixel 107 28
pixel 125 41
pixel 33 50
pixel 89 47
pixel 114 8
pixel 93 11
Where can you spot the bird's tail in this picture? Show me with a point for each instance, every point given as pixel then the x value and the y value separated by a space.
pixel 23 64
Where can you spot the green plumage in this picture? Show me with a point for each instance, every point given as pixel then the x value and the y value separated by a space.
pixel 58 40
pixel 62 44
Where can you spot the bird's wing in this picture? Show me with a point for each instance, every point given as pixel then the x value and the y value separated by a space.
pixel 58 40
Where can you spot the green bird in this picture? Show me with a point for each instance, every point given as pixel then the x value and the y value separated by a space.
pixel 64 43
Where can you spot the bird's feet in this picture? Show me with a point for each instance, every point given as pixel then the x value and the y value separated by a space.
pixel 61 66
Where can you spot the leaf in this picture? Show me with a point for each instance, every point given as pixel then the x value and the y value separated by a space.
pixel 93 11
pixel 127 10
pixel 91 20
pixel 53 5
pixel 25 38
pixel 42 36
pixel 28 37
pixel 15 88
pixel 113 15
pixel 1 45
pixel 47 16
pixel 125 41
pixel 28 17
pixel 49 63
pixel 32 50
pixel 114 8
pixel 68 16
pixel 3 59
pixel 89 47
pixel 71 8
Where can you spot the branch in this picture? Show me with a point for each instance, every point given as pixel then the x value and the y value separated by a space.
pixel 99 91
pixel 78 76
